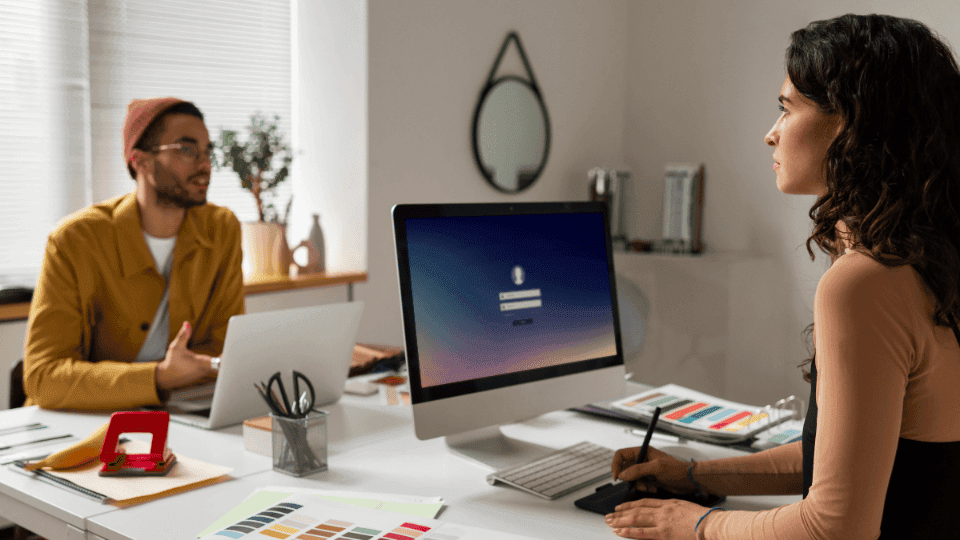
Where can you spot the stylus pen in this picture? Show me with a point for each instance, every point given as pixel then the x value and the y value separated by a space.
pixel 642 456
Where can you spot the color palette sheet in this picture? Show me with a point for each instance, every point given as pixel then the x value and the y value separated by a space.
pixel 265 497
pixel 307 517
pixel 701 416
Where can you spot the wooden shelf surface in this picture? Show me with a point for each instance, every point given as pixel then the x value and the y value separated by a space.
pixel 306 281
pixel 14 312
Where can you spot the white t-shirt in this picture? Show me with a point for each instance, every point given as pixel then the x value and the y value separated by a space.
pixel 155 346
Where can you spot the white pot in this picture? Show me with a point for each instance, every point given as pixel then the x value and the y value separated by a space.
pixel 266 254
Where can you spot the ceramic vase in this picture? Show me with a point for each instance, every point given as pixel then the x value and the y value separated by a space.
pixel 266 254
pixel 316 236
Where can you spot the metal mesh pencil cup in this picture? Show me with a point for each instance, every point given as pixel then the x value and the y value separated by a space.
pixel 300 444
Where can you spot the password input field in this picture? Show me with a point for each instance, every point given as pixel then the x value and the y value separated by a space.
pixel 522 304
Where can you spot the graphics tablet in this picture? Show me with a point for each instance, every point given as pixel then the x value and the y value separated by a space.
pixel 608 496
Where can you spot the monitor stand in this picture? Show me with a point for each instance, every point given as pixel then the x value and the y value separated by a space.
pixel 494 450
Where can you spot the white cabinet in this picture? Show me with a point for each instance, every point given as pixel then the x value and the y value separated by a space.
pixel 718 323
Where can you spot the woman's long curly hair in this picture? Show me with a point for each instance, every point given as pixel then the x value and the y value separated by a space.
pixel 893 172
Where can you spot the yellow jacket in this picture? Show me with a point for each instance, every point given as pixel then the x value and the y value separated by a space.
pixel 99 290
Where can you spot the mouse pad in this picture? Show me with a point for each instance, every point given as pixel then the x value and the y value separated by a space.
pixel 608 496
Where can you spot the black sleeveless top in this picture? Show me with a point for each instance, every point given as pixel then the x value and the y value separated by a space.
pixel 923 498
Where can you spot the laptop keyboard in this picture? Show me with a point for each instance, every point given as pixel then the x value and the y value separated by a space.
pixel 560 472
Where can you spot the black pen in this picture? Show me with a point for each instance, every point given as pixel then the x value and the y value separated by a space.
pixel 646 443
pixel 27 427
pixel 37 441
pixel 270 403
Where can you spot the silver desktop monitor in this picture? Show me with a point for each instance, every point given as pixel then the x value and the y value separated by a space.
pixel 509 312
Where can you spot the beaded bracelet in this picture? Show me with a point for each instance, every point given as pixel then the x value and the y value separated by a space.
pixel 707 513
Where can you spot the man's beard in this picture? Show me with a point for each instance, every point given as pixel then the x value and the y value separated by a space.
pixel 173 193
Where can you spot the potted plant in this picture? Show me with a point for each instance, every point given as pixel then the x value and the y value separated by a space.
pixel 262 162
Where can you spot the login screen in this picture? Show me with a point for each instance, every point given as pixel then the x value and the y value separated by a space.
pixel 502 294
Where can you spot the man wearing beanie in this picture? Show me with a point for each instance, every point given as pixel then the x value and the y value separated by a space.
pixel 135 292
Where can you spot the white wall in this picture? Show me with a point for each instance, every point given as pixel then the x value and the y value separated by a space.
pixel 633 83
pixel 428 60
pixel 386 92
pixel 702 85
pixel 330 127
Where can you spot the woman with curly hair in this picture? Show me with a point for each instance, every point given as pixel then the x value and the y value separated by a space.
pixel 870 124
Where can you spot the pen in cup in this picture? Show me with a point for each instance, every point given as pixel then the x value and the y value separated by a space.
pixel 271 403
pixel 642 456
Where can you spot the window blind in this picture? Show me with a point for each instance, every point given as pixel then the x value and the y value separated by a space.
pixel 44 127
pixel 231 58
pixel 68 69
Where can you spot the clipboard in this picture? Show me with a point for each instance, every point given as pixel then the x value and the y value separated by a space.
pixel 606 498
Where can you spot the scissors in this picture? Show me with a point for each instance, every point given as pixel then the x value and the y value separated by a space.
pixel 301 405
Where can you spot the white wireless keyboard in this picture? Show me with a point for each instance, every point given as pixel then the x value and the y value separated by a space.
pixel 560 472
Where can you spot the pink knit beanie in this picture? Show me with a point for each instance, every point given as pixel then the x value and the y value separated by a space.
pixel 140 112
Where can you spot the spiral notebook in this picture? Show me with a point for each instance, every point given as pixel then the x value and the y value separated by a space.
pixel 62 482
pixel 700 416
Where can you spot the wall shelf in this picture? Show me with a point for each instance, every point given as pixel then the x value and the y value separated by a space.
pixel 307 281
pixel 14 312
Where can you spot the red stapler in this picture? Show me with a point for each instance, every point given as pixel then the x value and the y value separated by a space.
pixel 158 462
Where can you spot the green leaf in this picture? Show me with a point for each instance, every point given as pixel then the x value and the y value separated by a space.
pixel 263 150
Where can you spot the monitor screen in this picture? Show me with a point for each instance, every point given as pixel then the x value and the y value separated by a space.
pixel 496 295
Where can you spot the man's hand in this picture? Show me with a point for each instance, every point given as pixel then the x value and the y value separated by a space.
pixel 182 366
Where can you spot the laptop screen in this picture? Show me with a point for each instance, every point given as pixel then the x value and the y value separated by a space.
pixel 504 294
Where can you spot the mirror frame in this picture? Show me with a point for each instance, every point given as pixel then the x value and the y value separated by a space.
pixel 488 87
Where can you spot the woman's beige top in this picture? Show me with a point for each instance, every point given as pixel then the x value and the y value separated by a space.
pixel 884 372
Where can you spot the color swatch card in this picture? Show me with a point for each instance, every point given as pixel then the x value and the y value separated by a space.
pixel 701 416
pixel 788 432
pixel 268 496
pixel 307 517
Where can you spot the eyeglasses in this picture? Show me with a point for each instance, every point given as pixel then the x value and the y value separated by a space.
pixel 187 151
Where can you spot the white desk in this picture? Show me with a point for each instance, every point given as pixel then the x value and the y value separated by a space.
pixel 372 448
pixel 54 512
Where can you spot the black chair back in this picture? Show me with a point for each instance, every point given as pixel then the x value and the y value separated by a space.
pixel 17 395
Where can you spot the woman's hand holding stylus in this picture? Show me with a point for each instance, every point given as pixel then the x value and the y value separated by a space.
pixel 664 519
pixel 659 470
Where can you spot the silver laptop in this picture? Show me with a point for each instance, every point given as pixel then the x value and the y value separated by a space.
pixel 316 341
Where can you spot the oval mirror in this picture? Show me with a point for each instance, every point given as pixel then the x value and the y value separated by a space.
pixel 511 130
pixel 511 134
